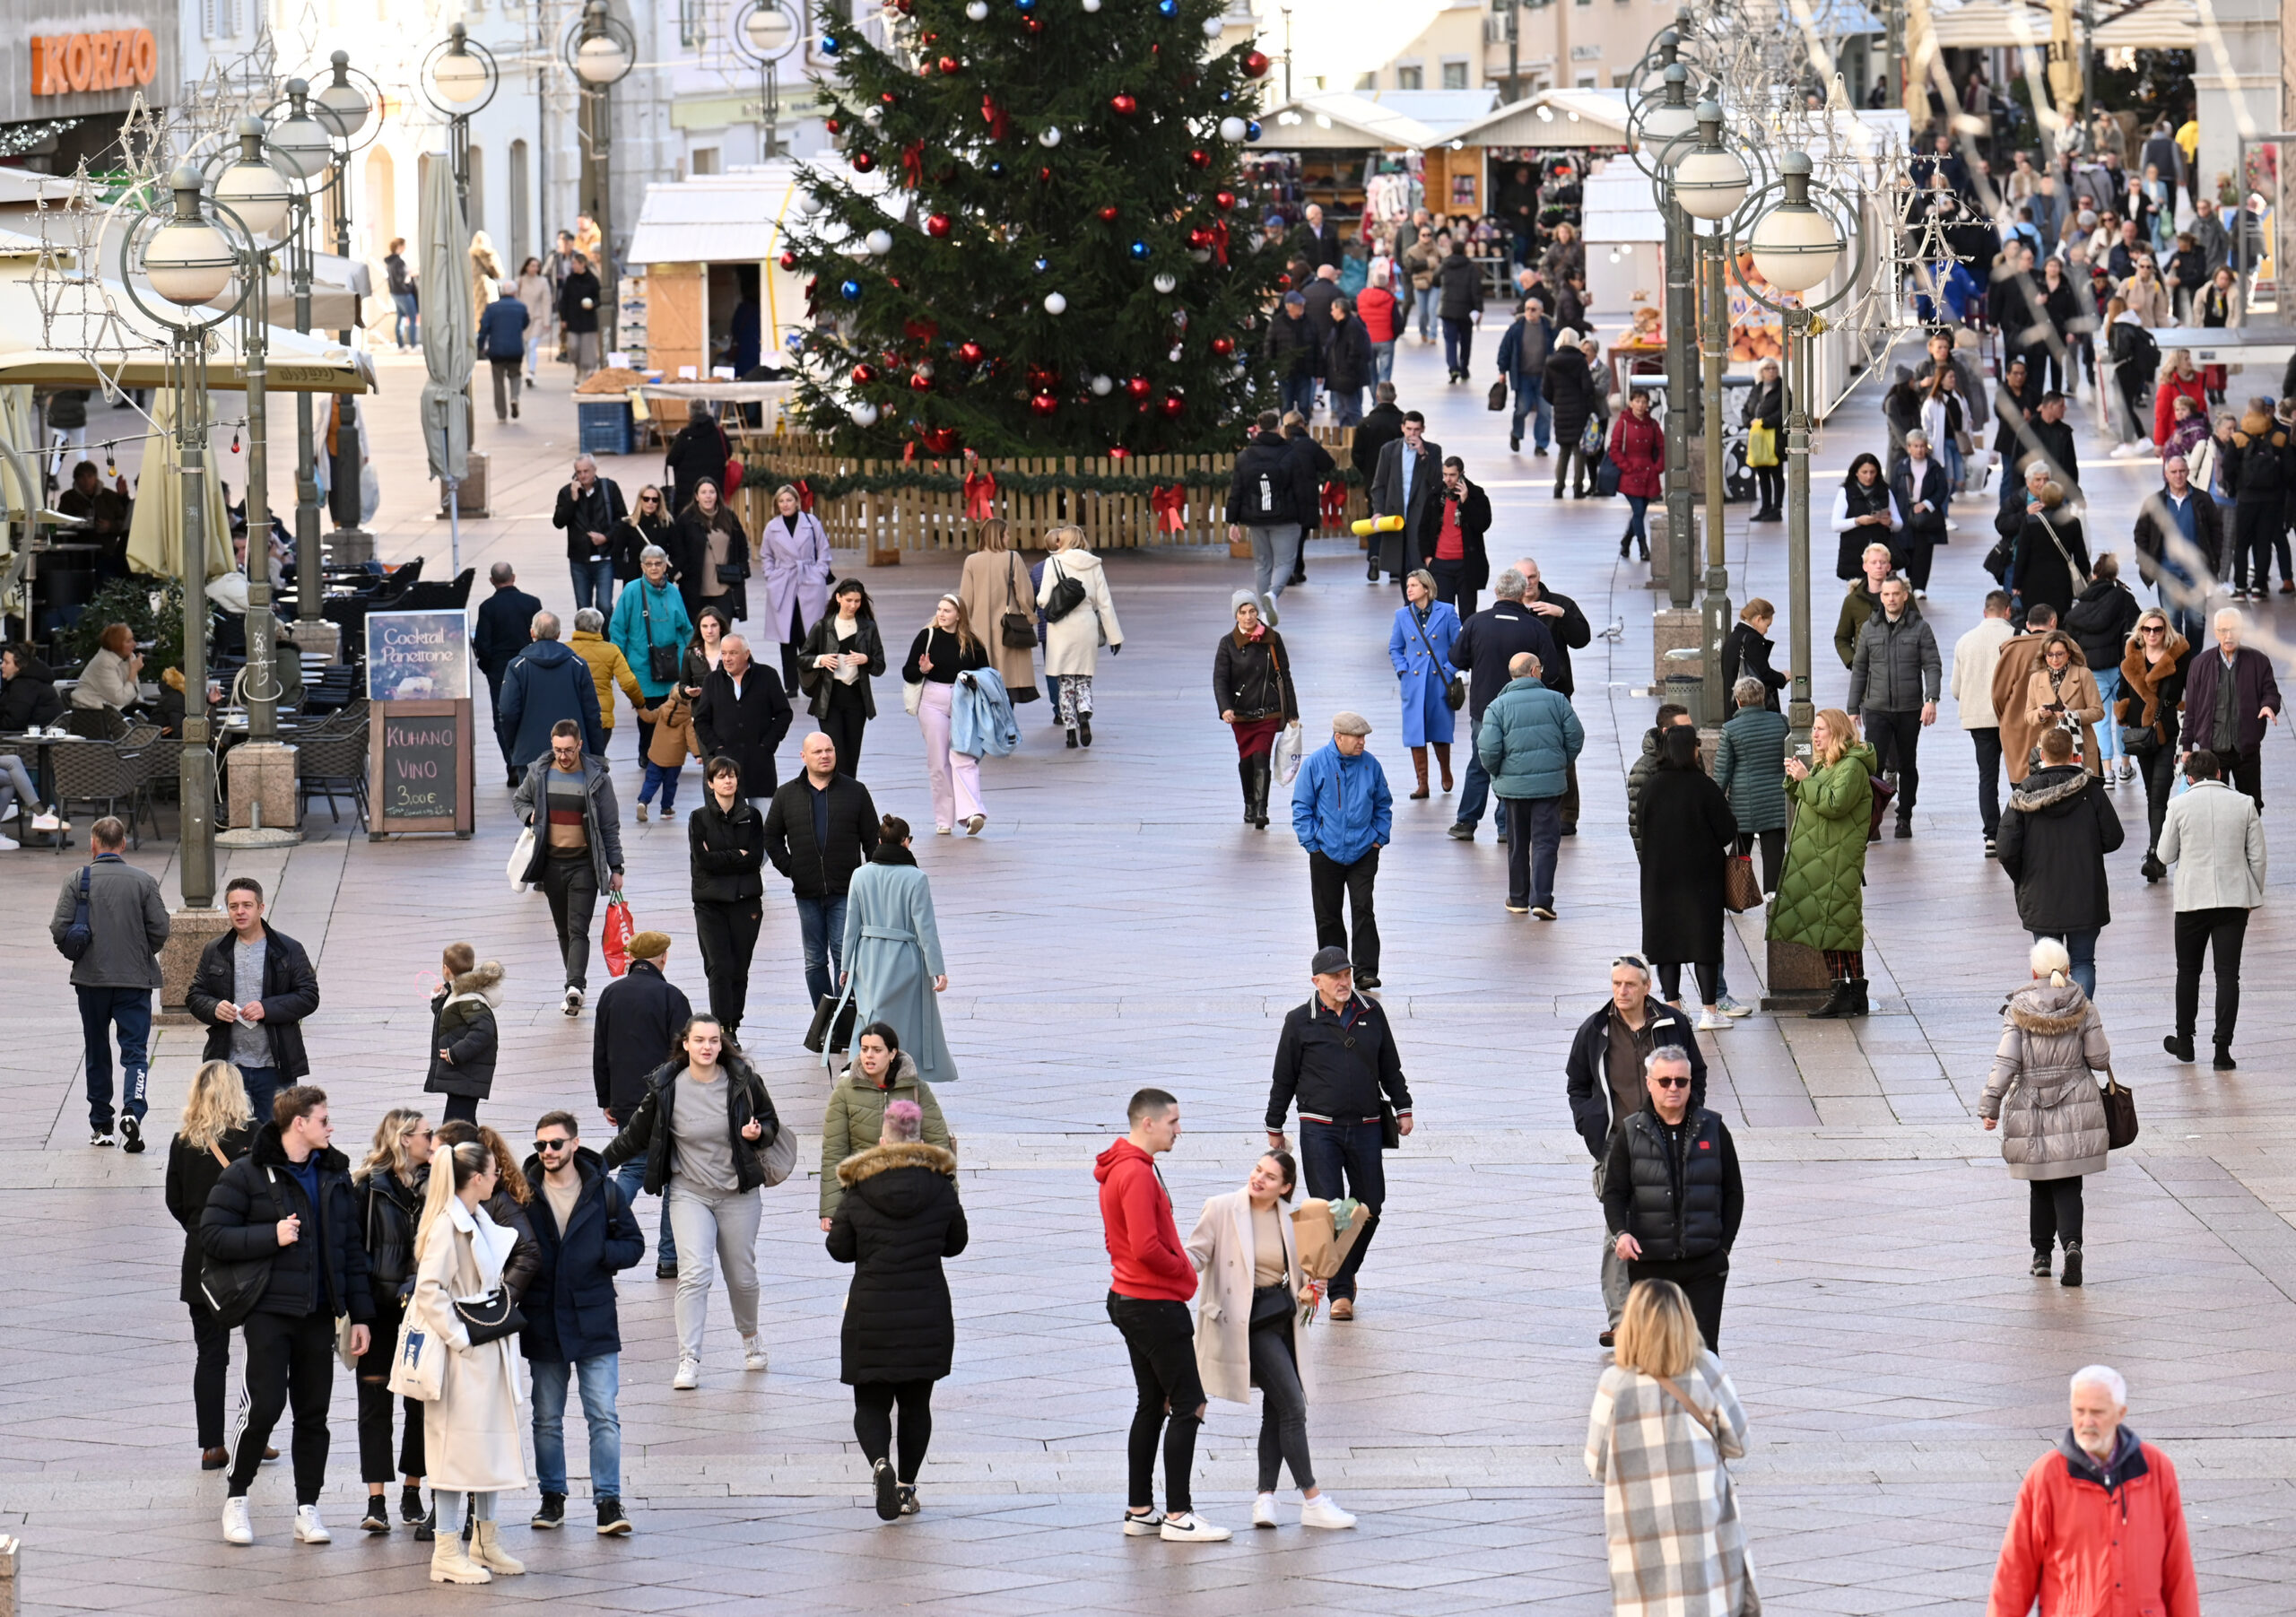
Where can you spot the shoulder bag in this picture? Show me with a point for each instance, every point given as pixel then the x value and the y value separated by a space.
pixel 1067 594
pixel 832 1024
pixel 661 661
pixel 1761 446
pixel 2062 554
pixel 2120 1112
pixel 1455 694
pixel 231 1289
pixel 79 936
pixel 1706 1422
pixel 419 1366
pixel 1016 629
pixel 490 1318
pixel 1740 888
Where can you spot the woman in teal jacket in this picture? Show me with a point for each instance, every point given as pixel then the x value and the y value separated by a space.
pixel 650 613
pixel 1420 644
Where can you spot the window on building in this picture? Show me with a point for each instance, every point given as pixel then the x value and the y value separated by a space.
pixel 705 160
pixel 1586 81
pixel 1367 81
pixel 1455 75
pixel 1409 78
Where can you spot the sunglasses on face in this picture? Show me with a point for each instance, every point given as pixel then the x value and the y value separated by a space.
pixel 1671 1084
pixel 650 500
pixel 2154 629
pixel 551 1146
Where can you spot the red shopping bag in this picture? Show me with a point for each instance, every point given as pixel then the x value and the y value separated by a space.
pixel 614 940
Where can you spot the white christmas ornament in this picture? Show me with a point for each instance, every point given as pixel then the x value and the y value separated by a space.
pixel 863 415
pixel 1202 255
pixel 1231 129
pixel 1213 26
pixel 880 242
pixel 1050 137
pixel 1166 282
pixel 809 205
pixel 1054 304
pixel 1091 5
pixel 977 11
pixel 1102 385
pixel 1176 354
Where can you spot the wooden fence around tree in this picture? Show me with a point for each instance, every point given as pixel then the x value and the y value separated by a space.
pixel 885 520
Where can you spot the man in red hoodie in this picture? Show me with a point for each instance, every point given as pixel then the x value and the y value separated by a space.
pixel 1148 1297
pixel 2100 1527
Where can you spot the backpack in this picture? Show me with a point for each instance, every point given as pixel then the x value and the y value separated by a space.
pixel 79 936
pixel 1067 596
pixel 1268 497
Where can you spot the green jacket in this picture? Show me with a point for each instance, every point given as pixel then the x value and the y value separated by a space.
pixel 1859 604
pixel 856 1117
pixel 1821 895
pixel 1750 765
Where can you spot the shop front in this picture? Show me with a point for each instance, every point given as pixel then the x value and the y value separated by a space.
pixel 69 71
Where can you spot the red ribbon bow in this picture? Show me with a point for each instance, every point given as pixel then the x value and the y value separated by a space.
pixel 804 495
pixel 1335 500
pixel 912 164
pixel 994 114
pixel 981 495
pixel 1220 241
pixel 1168 500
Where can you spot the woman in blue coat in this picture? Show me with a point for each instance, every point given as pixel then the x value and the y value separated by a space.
pixel 1420 646
pixel 893 953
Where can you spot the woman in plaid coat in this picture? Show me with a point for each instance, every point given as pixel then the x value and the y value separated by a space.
pixel 1666 1418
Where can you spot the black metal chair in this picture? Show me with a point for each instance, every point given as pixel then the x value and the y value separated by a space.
pixel 332 763
pixel 108 773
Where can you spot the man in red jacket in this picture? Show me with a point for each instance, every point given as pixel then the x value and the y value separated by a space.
pixel 2100 1527
pixel 1148 1296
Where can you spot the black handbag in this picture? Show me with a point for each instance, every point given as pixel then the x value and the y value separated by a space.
pixel 826 1035
pixel 231 1289
pixel 1390 1126
pixel 1498 400
pixel 731 572
pixel 1067 596
pixel 491 1318
pixel 1455 694
pixel 661 661
pixel 1016 629
pixel 2120 1112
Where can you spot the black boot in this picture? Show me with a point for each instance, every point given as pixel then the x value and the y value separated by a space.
pixel 2071 1275
pixel 1838 1002
pixel 1248 771
pixel 2041 1269
pixel 1264 783
pixel 1858 1005
pixel 2178 1045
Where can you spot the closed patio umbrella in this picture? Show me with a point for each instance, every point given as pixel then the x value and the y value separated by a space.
pixel 450 342
pixel 155 530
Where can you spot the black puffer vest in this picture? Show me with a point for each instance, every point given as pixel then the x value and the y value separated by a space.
pixel 1675 1214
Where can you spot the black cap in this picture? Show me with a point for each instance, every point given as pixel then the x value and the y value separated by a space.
pixel 1330 960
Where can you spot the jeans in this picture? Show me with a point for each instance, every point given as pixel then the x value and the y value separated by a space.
pixel 1276 552
pixel 1614 1281
pixel 601 1383
pixel 506 397
pixel 2109 727
pixel 872 1422
pixel 1383 361
pixel 2080 943
pixel 571 886
pixel 1534 846
pixel 820 925
pixel 1298 392
pixel 631 1177
pixel 1284 1403
pixel 2197 932
pixel 2053 1212
pixel 1424 296
pixel 1635 528
pixel 719 1224
pixel 534 351
pixel 1988 743
pixel 1896 736
pixel 289 1360
pixel 130 1010
pixel 212 1343
pixel 406 325
pixel 1161 1337
pixel 2254 524
pixel 1327 880
pixel 664 776
pixel 1459 345
pixel 727 934
pixel 263 1083
pixel 1530 399
pixel 1347 406
pixel 593 585
pixel 1329 1151
pixel 1476 790
pixel 494 705
pixel 376 1402
pixel 1769 487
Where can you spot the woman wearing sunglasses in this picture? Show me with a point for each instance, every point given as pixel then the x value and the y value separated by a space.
pixel 648 523
pixel 2152 690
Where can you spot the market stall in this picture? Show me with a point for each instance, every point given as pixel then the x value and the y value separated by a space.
pixel 1333 151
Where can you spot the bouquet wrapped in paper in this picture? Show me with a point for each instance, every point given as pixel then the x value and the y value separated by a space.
pixel 1326 1231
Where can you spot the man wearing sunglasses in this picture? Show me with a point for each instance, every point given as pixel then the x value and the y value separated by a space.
pixel 586 1232
pixel 1672 1192
pixel 1603 1079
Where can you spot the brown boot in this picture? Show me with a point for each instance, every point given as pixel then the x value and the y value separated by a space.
pixel 1443 762
pixel 1419 762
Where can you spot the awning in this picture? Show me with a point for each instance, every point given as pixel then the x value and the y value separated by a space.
pixel 1552 118
pixel 1984 24
pixel 1329 123
pixel 130 348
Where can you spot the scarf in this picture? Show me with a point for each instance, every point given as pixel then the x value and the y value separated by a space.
pixel 1258 632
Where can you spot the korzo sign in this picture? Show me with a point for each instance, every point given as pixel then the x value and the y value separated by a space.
pixel 117 59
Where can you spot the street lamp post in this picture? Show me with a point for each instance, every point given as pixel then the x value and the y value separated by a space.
pixel 459 78
pixel 188 263
pixel 767 33
pixel 1661 130
pixel 600 50
pixel 301 149
pixel 349 106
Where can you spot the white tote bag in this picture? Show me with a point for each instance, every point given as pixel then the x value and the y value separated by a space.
pixel 522 857
pixel 1289 742
pixel 420 1363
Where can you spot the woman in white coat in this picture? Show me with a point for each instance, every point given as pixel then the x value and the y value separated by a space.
pixel 1071 643
pixel 1247 1329
pixel 471 1429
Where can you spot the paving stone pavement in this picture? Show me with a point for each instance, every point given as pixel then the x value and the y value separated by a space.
pixel 1116 925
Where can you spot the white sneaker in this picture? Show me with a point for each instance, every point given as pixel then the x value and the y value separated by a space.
pixel 308 1528
pixel 1322 1513
pixel 753 1354
pixel 102 1136
pixel 1264 1510
pixel 1189 1529
pixel 48 819
pixel 1268 609
pixel 689 1376
pixel 237 1528
pixel 1142 1526
pixel 1712 1022
pixel 573 1001
pixel 1731 1007
pixel 9 845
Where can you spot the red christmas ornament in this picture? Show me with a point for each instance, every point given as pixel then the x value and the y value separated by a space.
pixel 931 39
pixel 1223 346
pixel 1041 378
pixel 918 382
pixel 1118 452
pixel 1034 25
pixel 936 225
pixel 1172 406
pixel 864 374
pixel 919 331
pixel 864 160
pixel 1137 386
pixel 788 261
pixel 1200 159
pixel 832 125
pixel 940 441
pixel 1284 283
pixel 970 352
pixel 1255 64
pixel 887 98
pixel 1225 201
pixel 949 66
pixel 1107 214
pixel 1043 404
pixel 1199 237
pixel 1044 175
pixel 1124 104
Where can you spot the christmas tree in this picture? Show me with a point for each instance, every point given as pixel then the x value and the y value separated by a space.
pixel 1059 258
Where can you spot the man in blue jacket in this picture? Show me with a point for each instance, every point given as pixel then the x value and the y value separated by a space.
pixel 502 344
pixel 1527 739
pixel 547 683
pixel 1343 813
pixel 587 1234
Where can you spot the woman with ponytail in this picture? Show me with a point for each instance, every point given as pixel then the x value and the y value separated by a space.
pixel 470 1431
pixel 2045 1102
pixel 893 953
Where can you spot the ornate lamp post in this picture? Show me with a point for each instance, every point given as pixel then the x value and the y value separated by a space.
pixel 600 50
pixel 301 149
pixel 349 107
pixel 1656 134
pixel 765 34
pixel 459 79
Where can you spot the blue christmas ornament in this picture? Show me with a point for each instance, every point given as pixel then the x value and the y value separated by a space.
pixel 1226 95
pixel 850 291
pixel 1251 130
pixel 831 45
pixel 796 343
pixel 995 170
pixel 1170 8
pixel 1139 249
pixel 1026 5
pixel 1043 264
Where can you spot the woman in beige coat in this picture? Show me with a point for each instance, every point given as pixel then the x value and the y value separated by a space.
pixel 994 583
pixel 2045 1101
pixel 1248 1333
pixel 1072 647
pixel 471 1429
pixel 2061 687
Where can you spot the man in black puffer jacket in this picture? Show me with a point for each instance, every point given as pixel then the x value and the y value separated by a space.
pixel 1672 1192
pixel 818 830
pixel 290 1201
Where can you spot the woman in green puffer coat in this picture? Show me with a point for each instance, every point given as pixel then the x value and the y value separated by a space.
pixel 1821 900
pixel 881 1072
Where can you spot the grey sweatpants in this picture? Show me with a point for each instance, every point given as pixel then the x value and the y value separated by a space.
pixel 714 1229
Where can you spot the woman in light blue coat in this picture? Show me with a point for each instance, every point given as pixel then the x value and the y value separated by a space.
pixel 1420 646
pixel 893 953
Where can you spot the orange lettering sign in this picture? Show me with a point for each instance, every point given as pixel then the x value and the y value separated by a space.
pixel 123 58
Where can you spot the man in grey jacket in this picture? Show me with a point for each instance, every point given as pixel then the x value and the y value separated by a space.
pixel 567 797
pixel 1894 676
pixel 127 924
pixel 2215 837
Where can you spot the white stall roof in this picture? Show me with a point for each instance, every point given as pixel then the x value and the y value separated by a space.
pixel 1552 117
pixel 1322 123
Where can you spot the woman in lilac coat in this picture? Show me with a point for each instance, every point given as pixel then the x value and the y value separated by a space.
pixel 794 558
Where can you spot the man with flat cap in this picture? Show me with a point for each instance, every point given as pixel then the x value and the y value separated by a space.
pixel 1343 813
pixel 641 1015
pixel 1337 1059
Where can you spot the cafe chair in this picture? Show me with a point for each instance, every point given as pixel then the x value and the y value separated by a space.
pixel 332 763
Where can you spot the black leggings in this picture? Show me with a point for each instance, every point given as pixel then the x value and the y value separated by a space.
pixel 459 1109
pixel 1283 1404
pixel 213 1341
pixel 2055 1211
pixel 845 724
pixel 1670 978
pixel 1769 486
pixel 1773 855
pixel 375 1400
pixel 872 1421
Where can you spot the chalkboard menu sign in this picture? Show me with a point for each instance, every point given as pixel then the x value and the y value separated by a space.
pixel 420 758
